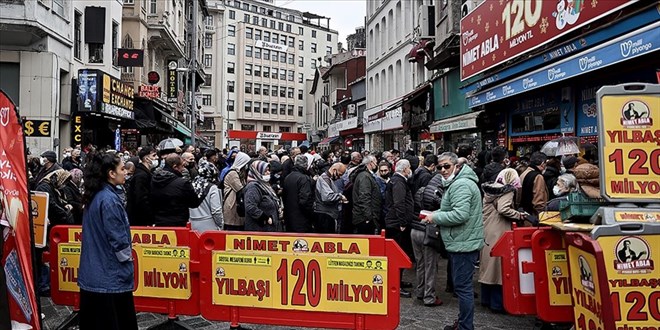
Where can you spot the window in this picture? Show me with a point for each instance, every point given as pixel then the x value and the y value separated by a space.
pixel 278 14
pixel 206 99
pixel 265 91
pixel 273 108
pixel 95 53
pixel 300 111
pixel 246 6
pixel 248 69
pixel 208 40
pixel 264 22
pixel 231 30
pixel 129 2
pixel 328 50
pixel 257 89
pixel 266 55
pixel 273 91
pixel 257 53
pixel 266 128
pixel 282 91
pixel 272 24
pixel 290 75
pixel 301 61
pixel 253 8
pixel 257 34
pixel 289 111
pixel 246 18
pixel 232 14
pixel 266 73
pixel 301 78
pixel 283 57
pixel 257 107
pixel 283 39
pixel 262 10
pixel 208 60
pixel 77 42
pixel 275 57
pixel 292 42
pixel 248 87
pixel 282 74
pixel 284 129
pixel 280 26
pixel 248 33
pixel 291 59
pixel 115 41
pixel 58 7
pixel 237 4
pixel 230 86
pixel 246 127
pixel 301 31
pixel 313 33
pixel 314 64
pixel 208 80
pixel 152 7
pixel 289 92
pixel 209 20
pixel 231 49
pixel 266 107
pixel 288 28
pixel 329 37
pixel 266 36
pixel 257 70
pixel 276 37
pixel 248 51
pixel 248 106
pixel 282 109
pixel 255 20
pixel 230 67
pixel 230 105
pixel 275 71
pixel 300 94
pixel 301 45
pixel 313 47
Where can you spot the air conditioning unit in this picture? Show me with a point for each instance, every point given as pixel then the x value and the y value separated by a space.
pixel 351 110
pixel 426 21
pixel 466 7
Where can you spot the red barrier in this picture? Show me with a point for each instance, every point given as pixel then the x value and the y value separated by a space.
pixel 329 281
pixel 515 247
pixel 166 269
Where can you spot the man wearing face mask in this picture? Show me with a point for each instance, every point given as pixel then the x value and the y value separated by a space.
pixel 190 168
pixel 48 165
pixel 366 197
pixel 138 204
pixel 72 161
pixel 172 196
pixel 328 199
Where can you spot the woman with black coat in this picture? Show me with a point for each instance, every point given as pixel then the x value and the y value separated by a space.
pixel 262 207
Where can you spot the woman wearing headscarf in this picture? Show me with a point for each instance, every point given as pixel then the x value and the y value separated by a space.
pixel 234 182
pixel 499 213
pixel 208 215
pixel 73 195
pixel 59 210
pixel 262 207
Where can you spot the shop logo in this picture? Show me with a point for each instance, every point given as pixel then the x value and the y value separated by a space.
pixel 590 110
pixel 300 245
pixel 378 279
pixel 630 47
pixel 555 73
pixel 633 256
pixel 64 262
pixel 183 268
pixel 636 114
pixel 529 83
pixel 219 272
pixel 589 63
pixel 556 271
pixel 586 276
pixel 4 116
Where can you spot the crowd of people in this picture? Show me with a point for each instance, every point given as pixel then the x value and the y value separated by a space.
pixel 452 205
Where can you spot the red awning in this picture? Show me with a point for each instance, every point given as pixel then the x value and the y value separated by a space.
pixel 329 140
pixel 417 52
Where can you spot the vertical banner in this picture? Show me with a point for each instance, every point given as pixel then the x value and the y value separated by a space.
pixel 15 218
pixel 172 81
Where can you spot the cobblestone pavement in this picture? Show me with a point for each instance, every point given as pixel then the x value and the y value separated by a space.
pixel 414 315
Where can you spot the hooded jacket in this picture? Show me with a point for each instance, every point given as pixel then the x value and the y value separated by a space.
pixel 298 198
pixel 171 198
pixel 461 215
pixel 366 196
pixel 228 163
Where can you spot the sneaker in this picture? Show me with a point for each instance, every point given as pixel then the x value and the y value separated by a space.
pixel 406 285
pixel 453 326
pixel 405 294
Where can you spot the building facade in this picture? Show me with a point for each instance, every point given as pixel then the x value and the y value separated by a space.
pixel 269 53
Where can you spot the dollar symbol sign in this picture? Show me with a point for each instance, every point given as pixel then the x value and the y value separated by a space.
pixel 28 128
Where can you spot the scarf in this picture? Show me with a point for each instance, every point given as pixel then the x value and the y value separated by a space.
pixel 256 172
pixel 207 175
pixel 509 176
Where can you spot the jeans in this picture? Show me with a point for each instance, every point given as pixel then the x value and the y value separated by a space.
pixel 462 272
pixel 426 266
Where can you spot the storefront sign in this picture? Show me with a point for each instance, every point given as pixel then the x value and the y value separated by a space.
pixel 117 93
pixel 116 111
pixel 76 134
pixel 533 139
pixel 149 91
pixel 629 122
pixel 130 57
pixel 36 128
pixel 172 82
pixel 454 124
pixel 587 114
pixel 269 136
pixel 392 119
pixel 87 92
pixel 632 45
pixel 153 77
pixel 634 216
pixel 586 293
pixel 333 130
pixel 251 135
pixel 347 124
pixel 557 271
pixel 372 120
pixel 39 207
pixel 271 46
pixel 497 31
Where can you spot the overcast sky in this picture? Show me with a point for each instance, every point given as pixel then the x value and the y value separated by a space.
pixel 345 15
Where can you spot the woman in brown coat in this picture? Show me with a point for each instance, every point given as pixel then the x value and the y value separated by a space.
pixel 234 182
pixel 499 213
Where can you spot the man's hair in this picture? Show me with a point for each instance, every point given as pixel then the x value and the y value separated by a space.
pixel 304 149
pixel 355 155
pixel 301 160
pixel 368 159
pixel 537 158
pixel 569 181
pixel 430 160
pixel 129 165
pixel 145 151
pixel 384 163
pixel 453 158
pixel 210 153
pixel 345 158
pixel 325 154
pixel 395 151
pixel 173 160
pixel 187 155
pixel 498 154
pixel 464 151
pixel 401 165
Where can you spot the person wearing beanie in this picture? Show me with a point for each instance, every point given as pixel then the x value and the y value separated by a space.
pixel 48 165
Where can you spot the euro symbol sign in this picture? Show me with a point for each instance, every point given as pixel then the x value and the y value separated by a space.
pixel 29 130
pixel 44 128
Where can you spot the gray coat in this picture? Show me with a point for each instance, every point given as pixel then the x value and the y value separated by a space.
pixel 208 215
pixel 259 206
pixel 327 196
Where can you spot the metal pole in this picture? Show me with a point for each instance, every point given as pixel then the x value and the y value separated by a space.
pixel 193 54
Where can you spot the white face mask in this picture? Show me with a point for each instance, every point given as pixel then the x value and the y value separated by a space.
pixel 265 178
pixel 67 154
pixel 42 161
pixel 451 177
pixel 556 190
pixel 154 163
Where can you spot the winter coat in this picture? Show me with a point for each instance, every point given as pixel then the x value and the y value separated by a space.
pixel 73 196
pixel 43 172
pixel 533 195
pixel 138 197
pixel 550 177
pixel 233 184
pixel 399 201
pixel 259 206
pixel 432 194
pixel 172 197
pixel 327 197
pixel 229 162
pixel 298 200
pixel 106 263
pixel 68 164
pixel 208 216
pixel 366 196
pixel 490 172
pixel 421 178
pixel 499 213
pixel 287 167
pixel 57 212
pixel 461 215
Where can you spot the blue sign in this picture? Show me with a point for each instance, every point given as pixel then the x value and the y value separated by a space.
pixel 627 47
pixel 117 140
pixel 587 117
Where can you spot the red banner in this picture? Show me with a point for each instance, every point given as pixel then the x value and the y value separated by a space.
pixel 15 220
pixel 499 30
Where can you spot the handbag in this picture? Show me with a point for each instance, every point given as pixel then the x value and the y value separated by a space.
pixel 432 238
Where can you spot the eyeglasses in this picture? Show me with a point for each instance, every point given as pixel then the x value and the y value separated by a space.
pixel 445 166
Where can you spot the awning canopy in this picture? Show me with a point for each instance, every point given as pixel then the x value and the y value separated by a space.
pixel 329 140
pixel 418 52
pixel 466 121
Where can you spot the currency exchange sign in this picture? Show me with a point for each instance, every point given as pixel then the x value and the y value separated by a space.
pixel 499 30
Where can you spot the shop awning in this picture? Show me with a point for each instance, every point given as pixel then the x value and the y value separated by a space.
pixel 417 52
pixel 181 128
pixel 329 140
pixel 466 121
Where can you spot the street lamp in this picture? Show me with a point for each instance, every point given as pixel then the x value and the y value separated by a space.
pixel 193 103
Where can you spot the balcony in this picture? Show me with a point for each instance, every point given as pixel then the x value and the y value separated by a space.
pixel 339 95
pixel 24 23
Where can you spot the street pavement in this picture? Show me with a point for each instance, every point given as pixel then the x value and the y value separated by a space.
pixel 414 315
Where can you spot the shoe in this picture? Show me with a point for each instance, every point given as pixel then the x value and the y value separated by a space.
pixel 239 328
pixel 437 302
pixel 405 284
pixel 405 294
pixel 453 326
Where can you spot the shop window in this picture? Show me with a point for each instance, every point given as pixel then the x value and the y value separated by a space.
pixel 544 119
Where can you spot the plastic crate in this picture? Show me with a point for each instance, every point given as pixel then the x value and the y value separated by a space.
pixel 579 207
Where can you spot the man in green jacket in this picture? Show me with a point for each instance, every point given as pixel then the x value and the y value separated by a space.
pixel 460 218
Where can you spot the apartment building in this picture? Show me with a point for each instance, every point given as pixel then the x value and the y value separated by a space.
pixel 263 54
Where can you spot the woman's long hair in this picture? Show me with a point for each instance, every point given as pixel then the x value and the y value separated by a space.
pixel 96 173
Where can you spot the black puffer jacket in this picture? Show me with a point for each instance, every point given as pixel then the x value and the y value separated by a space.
pixel 399 201
pixel 366 196
pixel 298 198
pixel 171 198
pixel 138 198
pixel 421 178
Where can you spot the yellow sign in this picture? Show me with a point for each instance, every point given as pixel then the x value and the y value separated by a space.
pixel 356 284
pixel 39 203
pixel 635 216
pixel 37 128
pixel 138 236
pixel 558 278
pixel 633 279
pixel 630 165
pixel 587 299
pixel 68 256
pixel 292 244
